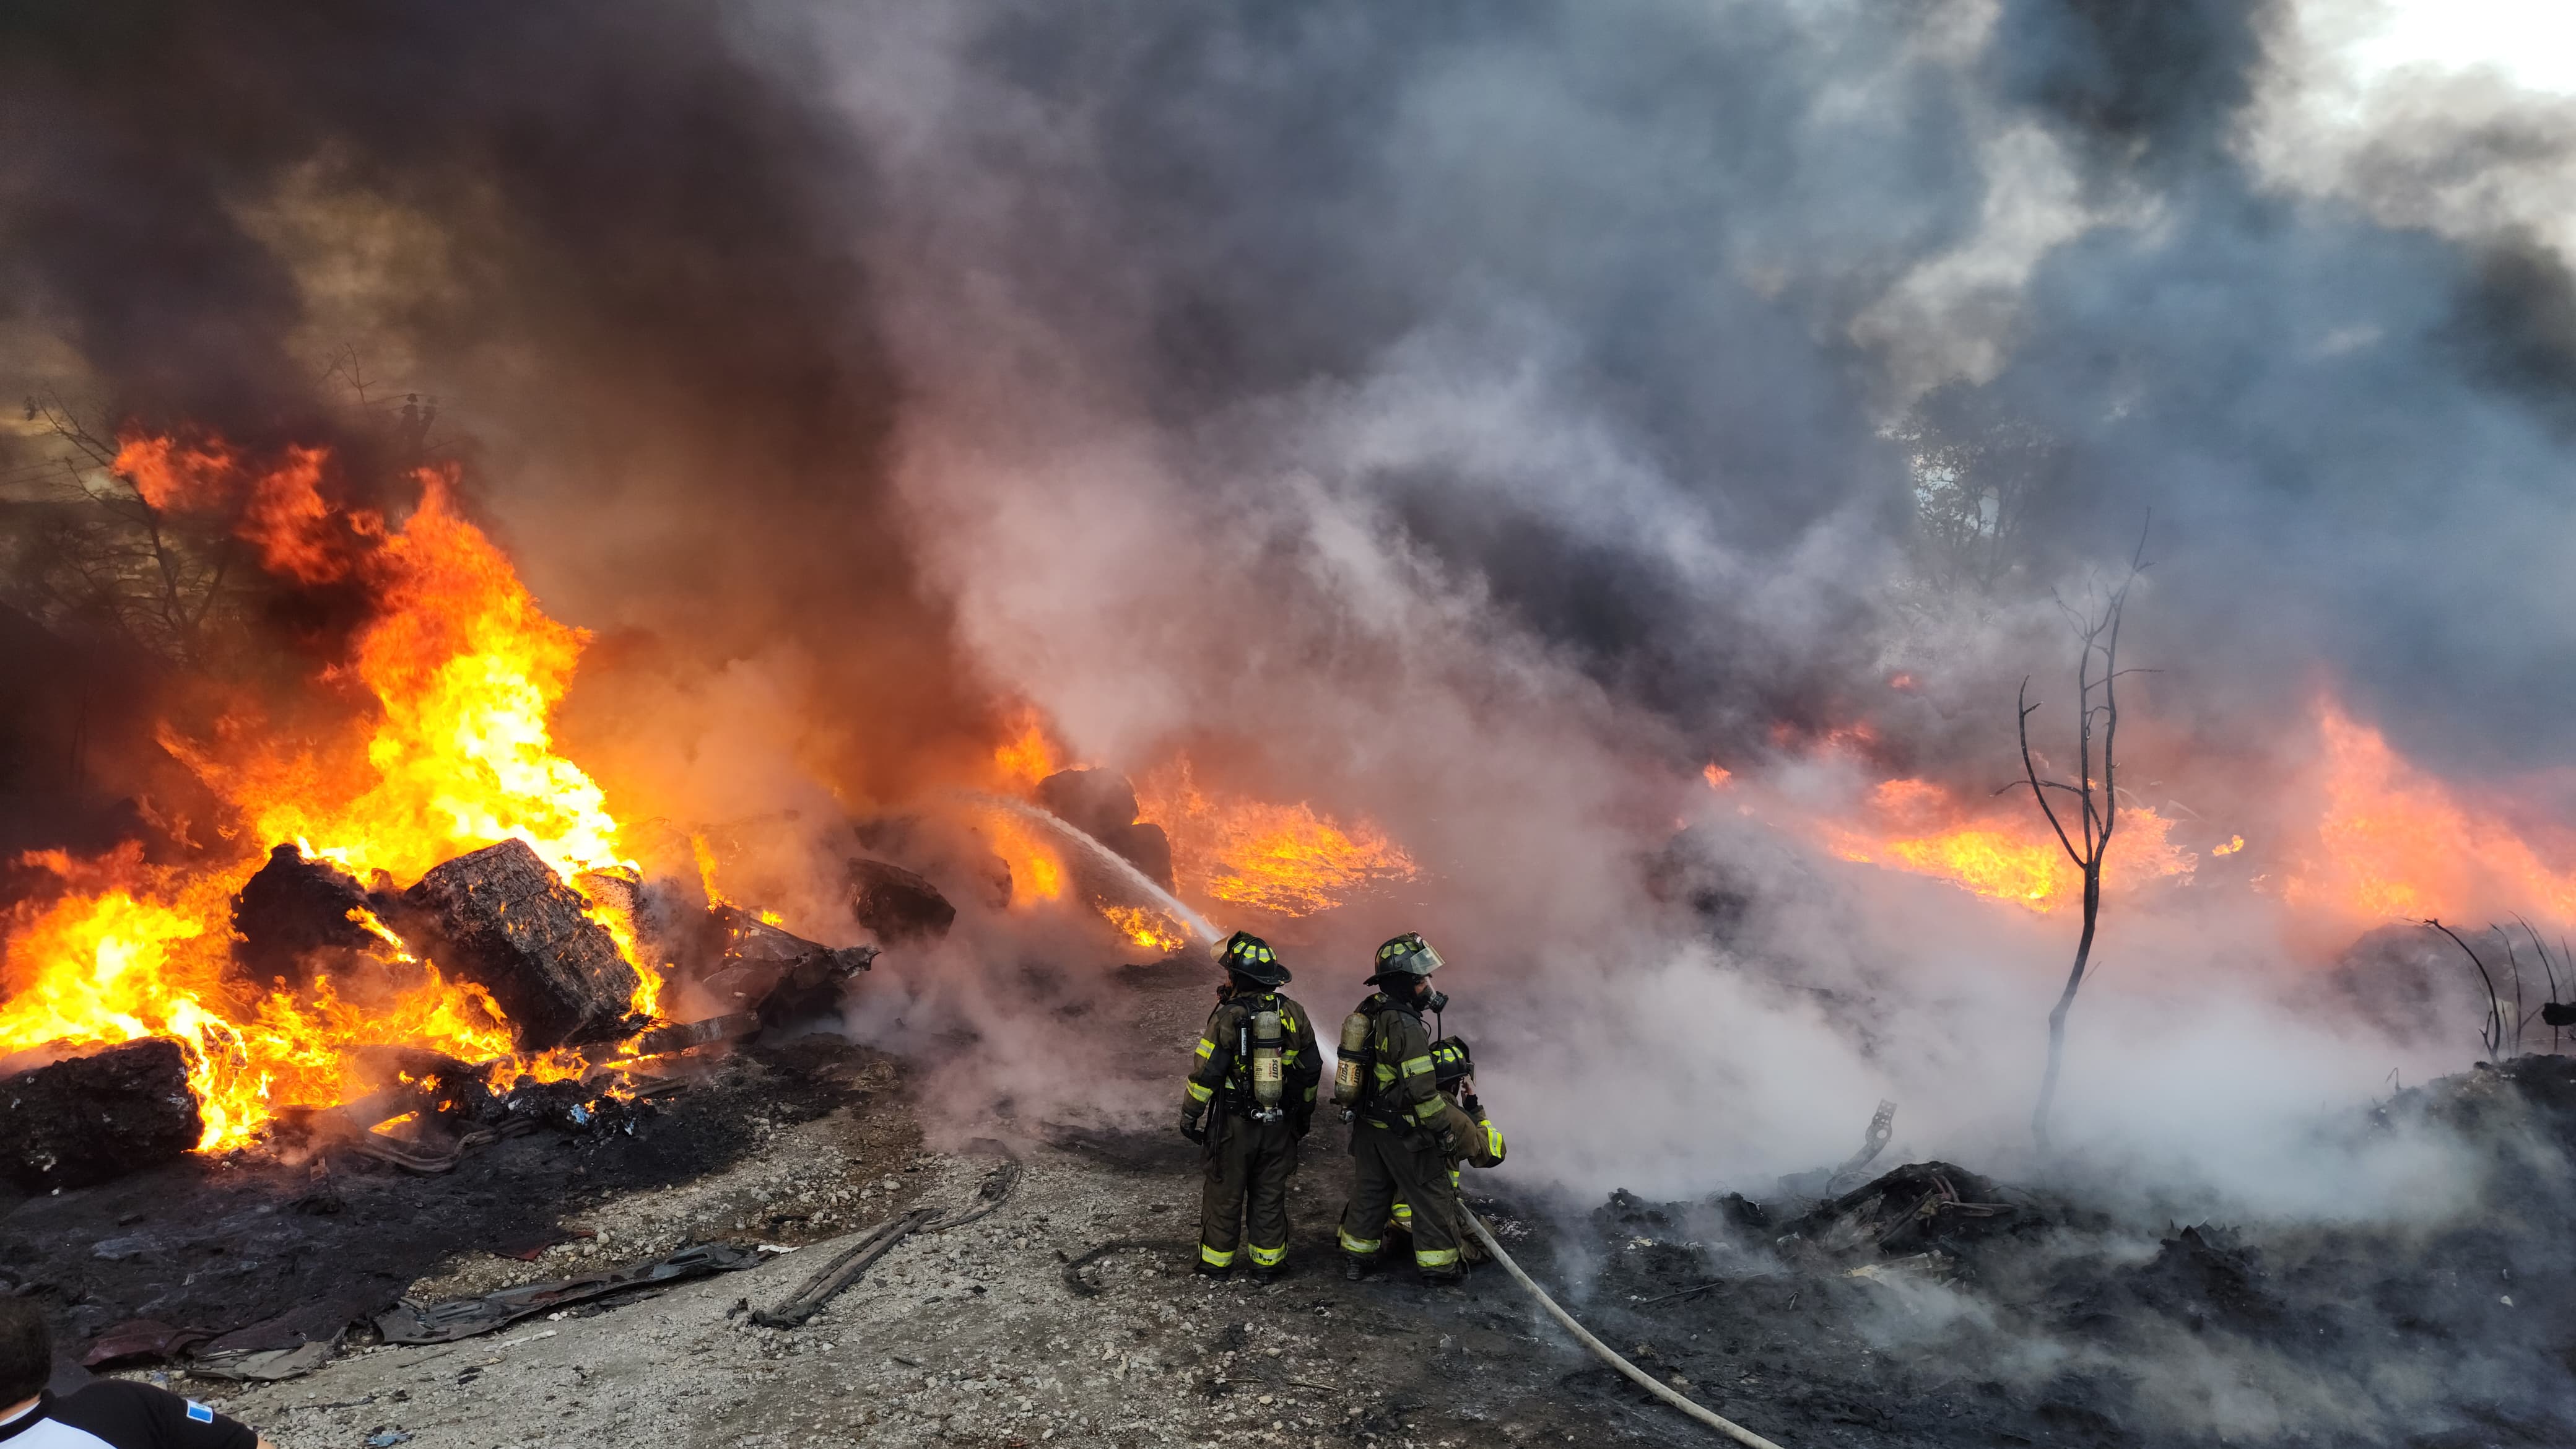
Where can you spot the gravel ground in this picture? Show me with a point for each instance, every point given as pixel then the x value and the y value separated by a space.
pixel 972 1336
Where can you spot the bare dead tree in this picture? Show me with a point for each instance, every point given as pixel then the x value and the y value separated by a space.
pixel 95 548
pixel 2095 798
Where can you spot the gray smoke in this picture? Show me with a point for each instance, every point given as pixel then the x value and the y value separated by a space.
pixel 1477 418
pixel 1474 418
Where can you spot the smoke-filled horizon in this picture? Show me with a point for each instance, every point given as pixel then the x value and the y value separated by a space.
pixel 1474 419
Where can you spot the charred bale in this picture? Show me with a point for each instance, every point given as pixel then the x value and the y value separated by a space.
pixel 1144 845
pixel 293 921
pixel 1085 798
pixel 503 920
pixel 87 1119
pixel 894 905
pixel 1102 805
pixel 665 918
pixel 777 973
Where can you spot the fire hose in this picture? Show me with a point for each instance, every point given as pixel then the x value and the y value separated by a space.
pixel 1604 1352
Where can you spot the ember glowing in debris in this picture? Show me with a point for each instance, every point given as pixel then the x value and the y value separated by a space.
pixel 1716 775
pixel 2234 844
pixel 1150 929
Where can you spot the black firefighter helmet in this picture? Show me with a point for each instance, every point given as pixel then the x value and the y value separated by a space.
pixel 1406 955
pixel 1451 1063
pixel 1250 957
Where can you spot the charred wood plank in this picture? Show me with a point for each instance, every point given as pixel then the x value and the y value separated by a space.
pixel 88 1119
pixel 502 919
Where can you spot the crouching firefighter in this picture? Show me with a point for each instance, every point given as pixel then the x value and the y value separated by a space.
pixel 1479 1140
pixel 1258 1068
pixel 1401 1135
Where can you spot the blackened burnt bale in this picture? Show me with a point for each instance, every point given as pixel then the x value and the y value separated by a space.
pixel 501 918
pixel 778 973
pixel 90 1118
pixel 896 905
pixel 665 918
pixel 1085 798
pixel 292 922
pixel 1102 805
pixel 1145 847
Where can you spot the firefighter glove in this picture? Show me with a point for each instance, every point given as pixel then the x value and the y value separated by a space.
pixel 1191 1129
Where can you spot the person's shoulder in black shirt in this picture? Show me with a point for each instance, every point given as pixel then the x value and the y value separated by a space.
pixel 108 1414
pixel 121 1415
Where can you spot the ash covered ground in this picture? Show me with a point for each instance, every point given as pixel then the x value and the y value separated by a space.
pixel 1928 1306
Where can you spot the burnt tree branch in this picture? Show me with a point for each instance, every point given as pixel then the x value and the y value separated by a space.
pixel 2097 733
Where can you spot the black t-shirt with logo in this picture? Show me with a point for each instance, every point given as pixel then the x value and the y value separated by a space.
pixel 115 1414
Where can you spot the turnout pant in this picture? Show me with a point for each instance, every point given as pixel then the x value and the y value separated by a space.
pixel 1248 1165
pixel 1387 1166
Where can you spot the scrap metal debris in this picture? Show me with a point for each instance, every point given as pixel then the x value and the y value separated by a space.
pixel 413 1322
pixel 141 1340
pixel 1918 1207
pixel 265 1366
pixel 1882 1124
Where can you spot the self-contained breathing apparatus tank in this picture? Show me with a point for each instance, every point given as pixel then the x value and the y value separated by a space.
pixel 1347 1071
pixel 1267 1084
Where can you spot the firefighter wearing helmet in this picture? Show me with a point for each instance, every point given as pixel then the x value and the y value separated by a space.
pixel 1478 1137
pixel 1402 1137
pixel 1255 1083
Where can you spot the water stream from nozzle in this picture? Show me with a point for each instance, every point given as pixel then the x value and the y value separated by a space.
pixel 1125 868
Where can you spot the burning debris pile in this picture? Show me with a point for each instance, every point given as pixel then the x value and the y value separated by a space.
pixel 445 937
pixel 540 959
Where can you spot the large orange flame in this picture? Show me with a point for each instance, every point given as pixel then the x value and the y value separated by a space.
pixel 1287 859
pixel 2392 841
pixel 1918 827
pixel 1027 756
pixel 465 671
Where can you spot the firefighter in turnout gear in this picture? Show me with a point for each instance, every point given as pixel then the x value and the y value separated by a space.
pixel 1402 1136
pixel 1479 1140
pixel 1257 1069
